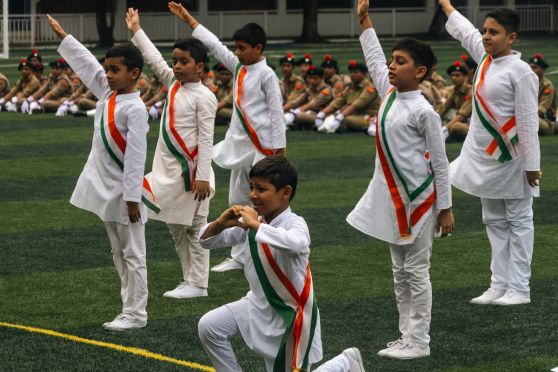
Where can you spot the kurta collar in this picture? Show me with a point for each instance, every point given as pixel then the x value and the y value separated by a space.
pixel 124 97
pixel 514 55
pixel 192 84
pixel 409 95
pixel 257 65
pixel 277 221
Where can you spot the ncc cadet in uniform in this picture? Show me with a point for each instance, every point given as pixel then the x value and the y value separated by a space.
pixel 4 85
pixel 50 96
pixel 39 69
pixel 23 88
pixel 292 86
pixel 471 66
pixel 456 110
pixel 224 94
pixel 547 96
pixel 331 75
pixel 301 113
pixel 304 64
pixel 353 109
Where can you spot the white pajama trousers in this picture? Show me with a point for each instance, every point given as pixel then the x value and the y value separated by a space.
pixel 510 229
pixel 128 254
pixel 239 194
pixel 193 258
pixel 215 329
pixel 413 290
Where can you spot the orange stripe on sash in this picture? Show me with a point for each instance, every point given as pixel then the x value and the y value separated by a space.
pixel 114 133
pixel 251 131
pixel 175 134
pixel 423 208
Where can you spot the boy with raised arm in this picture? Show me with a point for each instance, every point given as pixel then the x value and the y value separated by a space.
pixel 500 158
pixel 112 182
pixel 181 176
pixel 409 197
pixel 257 126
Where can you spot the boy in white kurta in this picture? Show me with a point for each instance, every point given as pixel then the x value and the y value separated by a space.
pixel 409 195
pixel 500 159
pixel 257 127
pixel 112 182
pixel 182 177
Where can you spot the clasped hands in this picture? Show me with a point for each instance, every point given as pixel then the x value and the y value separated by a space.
pixel 241 216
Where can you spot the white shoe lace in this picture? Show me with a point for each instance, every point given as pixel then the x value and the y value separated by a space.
pixel 395 343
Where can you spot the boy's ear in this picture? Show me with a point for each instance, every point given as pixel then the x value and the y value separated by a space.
pixel 512 37
pixel 259 48
pixel 135 73
pixel 421 72
pixel 199 67
pixel 287 191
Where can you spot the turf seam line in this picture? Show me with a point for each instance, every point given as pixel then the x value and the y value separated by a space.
pixel 127 349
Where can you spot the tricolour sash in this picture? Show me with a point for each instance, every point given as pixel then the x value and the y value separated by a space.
pixel 410 206
pixel 188 159
pixel 115 144
pixel 298 310
pixel 239 74
pixel 502 147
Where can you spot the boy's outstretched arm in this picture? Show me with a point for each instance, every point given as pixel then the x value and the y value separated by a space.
pixel 447 7
pixel 84 64
pixel 219 51
pixel 373 53
pixel 464 31
pixel 150 53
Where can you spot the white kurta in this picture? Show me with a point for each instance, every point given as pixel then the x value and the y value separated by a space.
pixel 510 88
pixel 261 102
pixel 195 107
pixel 103 188
pixel 260 325
pixel 412 128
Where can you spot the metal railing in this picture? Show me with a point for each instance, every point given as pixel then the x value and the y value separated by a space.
pixel 32 29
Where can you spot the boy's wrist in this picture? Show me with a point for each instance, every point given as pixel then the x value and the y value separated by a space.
pixel 365 22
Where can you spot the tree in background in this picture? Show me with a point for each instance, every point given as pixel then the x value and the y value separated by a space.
pixel 104 28
pixel 310 22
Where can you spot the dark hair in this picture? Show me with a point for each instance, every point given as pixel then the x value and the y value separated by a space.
pixel 197 50
pixel 509 19
pixel 252 33
pixel 420 52
pixel 278 171
pixel 131 55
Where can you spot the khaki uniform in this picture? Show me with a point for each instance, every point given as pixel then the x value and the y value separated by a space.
pixel 156 91
pixel 143 84
pixel 224 94
pixel 364 98
pixel 43 79
pixel 292 88
pixel 459 102
pixel 4 85
pixel 59 89
pixel 317 99
pixel 438 81
pixel 25 87
pixel 337 84
pixel 431 93
pixel 547 107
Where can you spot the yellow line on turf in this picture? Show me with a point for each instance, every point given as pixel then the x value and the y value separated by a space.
pixel 132 350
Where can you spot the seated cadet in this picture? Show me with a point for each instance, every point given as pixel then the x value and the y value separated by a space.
pixel 471 66
pixel 331 75
pixel 457 109
pixel 304 64
pixel 23 88
pixel 357 104
pixel 433 88
pixel 207 78
pixel 301 113
pixel 547 97
pixel 224 83
pixel 143 84
pixel 4 85
pixel 50 96
pixel 292 86
pixel 34 57
pixel 39 69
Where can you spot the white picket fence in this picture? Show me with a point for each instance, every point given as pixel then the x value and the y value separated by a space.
pixel 30 30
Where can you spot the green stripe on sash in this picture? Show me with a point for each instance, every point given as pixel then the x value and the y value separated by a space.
pixel 105 142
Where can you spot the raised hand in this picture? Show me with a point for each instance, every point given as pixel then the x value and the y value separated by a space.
pixel 446 6
pixel 133 20
pixel 58 30
pixel 362 8
pixel 182 13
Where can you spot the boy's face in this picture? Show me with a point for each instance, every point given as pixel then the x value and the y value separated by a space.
pixel 185 67
pixel 38 73
pixel 457 78
pixel 118 76
pixel 303 68
pixel 315 81
pixel 225 76
pixel 56 71
pixel 266 199
pixel 25 71
pixel 34 60
pixel 287 69
pixel 329 71
pixel 356 76
pixel 495 38
pixel 403 73
pixel 246 53
pixel 537 69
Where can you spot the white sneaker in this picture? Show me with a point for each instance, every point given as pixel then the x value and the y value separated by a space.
pixel 407 350
pixel 123 322
pixel 355 359
pixel 228 264
pixel 512 297
pixel 488 296
pixel 390 346
pixel 185 290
